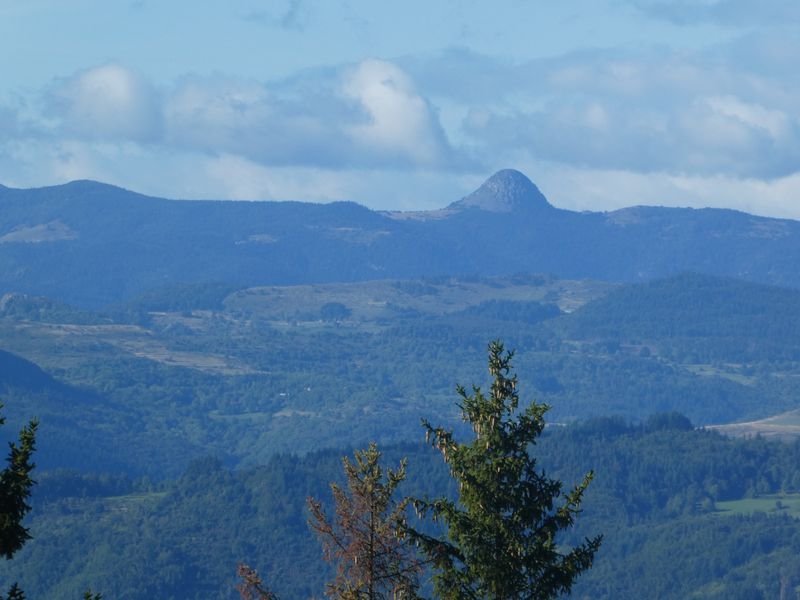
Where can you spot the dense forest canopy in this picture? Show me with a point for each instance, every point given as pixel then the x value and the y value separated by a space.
pixel 729 504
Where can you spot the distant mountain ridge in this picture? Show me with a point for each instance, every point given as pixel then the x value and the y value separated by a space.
pixel 92 244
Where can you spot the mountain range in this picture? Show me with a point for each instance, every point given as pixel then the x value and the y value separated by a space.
pixel 92 244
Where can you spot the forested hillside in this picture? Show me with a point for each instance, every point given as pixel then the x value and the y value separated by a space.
pixel 728 505
pixel 263 370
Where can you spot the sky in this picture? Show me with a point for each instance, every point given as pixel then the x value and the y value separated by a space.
pixel 407 105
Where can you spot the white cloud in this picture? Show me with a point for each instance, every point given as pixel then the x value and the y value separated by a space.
pixel 367 115
pixel 39 161
pixel 218 115
pixel 318 136
pixel 248 119
pixel 400 122
pixel 233 177
pixel 72 161
pixel 774 122
pixel 237 178
pixel 106 102
pixel 695 113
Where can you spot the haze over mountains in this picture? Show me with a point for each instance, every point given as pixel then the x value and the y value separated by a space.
pixel 92 244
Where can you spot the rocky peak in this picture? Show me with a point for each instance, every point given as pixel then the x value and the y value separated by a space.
pixel 504 192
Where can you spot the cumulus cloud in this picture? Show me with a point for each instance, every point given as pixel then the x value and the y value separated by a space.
pixel 219 115
pixel 365 115
pixel 106 102
pixel 705 135
pixel 368 115
pixel 399 122
pixel 695 113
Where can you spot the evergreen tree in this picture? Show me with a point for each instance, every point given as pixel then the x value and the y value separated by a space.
pixel 501 533
pixel 14 593
pixel 15 489
pixel 366 538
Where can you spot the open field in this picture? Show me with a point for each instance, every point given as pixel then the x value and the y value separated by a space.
pixel 784 504
pixel 387 299
pixel 785 426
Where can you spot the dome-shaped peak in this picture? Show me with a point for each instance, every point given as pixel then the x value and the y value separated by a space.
pixel 505 191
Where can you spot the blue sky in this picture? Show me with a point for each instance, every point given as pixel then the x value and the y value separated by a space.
pixel 603 103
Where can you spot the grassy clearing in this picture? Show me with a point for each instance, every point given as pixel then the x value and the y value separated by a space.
pixel 386 299
pixel 732 373
pixel 778 504
pixel 785 427
pixel 136 497
pixel 133 501
pixel 254 416
pixel 789 419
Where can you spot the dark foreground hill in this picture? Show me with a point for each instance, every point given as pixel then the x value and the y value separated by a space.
pixel 684 514
pixel 92 244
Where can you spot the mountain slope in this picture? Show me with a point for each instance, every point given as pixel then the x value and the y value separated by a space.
pixel 92 244
pixel 68 434
pixel 717 319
